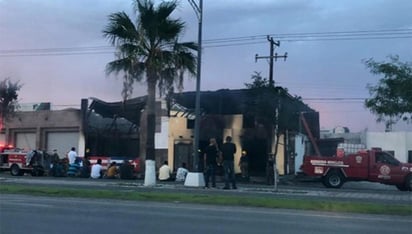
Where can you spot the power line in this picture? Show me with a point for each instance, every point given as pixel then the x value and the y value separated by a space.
pixel 334 98
pixel 58 49
pixel 54 54
pixel 388 34
pixel 314 34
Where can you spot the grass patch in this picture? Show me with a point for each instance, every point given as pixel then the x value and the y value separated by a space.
pixel 230 199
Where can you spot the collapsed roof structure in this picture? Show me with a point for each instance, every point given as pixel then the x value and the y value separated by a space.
pixel 220 102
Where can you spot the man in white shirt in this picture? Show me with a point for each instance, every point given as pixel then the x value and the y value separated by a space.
pixel 164 172
pixel 181 173
pixel 72 155
pixel 96 171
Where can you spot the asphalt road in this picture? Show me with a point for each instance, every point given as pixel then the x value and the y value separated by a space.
pixel 27 214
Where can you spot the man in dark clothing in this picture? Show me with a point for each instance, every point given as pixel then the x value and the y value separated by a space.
pixel 228 151
pixel 210 157
pixel 126 171
pixel 86 166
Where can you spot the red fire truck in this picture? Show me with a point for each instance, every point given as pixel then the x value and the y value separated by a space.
pixel 372 165
pixel 19 162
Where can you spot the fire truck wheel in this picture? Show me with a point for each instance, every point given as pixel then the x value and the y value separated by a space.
pixel 408 183
pixel 15 170
pixel 401 187
pixel 333 179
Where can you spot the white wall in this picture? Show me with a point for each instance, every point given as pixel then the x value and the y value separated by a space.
pixel 162 137
pixel 400 142
pixel 299 151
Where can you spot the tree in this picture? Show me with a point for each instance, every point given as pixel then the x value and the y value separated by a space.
pixel 148 50
pixel 391 98
pixel 8 99
pixel 264 103
pixel 273 108
pixel 258 81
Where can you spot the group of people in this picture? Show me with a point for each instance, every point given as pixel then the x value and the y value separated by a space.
pixel 165 173
pixel 114 171
pixel 74 167
pixel 213 156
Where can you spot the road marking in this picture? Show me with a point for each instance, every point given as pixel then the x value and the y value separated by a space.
pixel 26 204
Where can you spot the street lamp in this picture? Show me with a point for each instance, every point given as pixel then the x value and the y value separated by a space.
pixel 198 8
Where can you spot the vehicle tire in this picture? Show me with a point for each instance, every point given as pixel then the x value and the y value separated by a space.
pixel 324 182
pixel 401 187
pixel 408 183
pixel 333 179
pixel 15 170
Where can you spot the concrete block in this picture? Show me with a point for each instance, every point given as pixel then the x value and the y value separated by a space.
pixel 195 179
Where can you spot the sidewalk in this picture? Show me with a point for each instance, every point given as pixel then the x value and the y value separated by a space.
pixel 285 187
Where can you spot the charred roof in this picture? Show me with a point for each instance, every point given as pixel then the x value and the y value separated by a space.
pixel 130 109
pixel 227 102
pixel 220 102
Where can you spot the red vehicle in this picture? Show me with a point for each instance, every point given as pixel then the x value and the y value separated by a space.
pixel 366 165
pixel 106 160
pixel 19 162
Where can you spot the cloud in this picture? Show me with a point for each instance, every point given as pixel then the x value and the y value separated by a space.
pixel 313 68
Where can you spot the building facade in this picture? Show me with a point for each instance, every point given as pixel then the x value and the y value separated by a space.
pixel 119 128
pixel 46 130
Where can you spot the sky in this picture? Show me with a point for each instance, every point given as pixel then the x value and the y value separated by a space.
pixel 56 50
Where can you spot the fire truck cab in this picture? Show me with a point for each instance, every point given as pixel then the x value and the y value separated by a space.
pixel 372 165
pixel 19 162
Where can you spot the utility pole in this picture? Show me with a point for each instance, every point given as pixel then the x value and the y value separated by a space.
pixel 272 57
pixel 198 8
pixel 196 178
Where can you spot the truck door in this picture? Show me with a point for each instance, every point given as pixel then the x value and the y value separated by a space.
pixel 385 168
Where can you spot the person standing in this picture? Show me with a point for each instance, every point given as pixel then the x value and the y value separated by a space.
pixel 210 157
pixel 244 165
pixel 55 158
pixel 85 168
pixel 72 155
pixel 228 156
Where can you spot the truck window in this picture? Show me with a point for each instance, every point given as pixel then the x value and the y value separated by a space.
pixel 390 152
pixel 383 157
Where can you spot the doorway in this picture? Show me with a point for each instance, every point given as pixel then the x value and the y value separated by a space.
pixel 183 154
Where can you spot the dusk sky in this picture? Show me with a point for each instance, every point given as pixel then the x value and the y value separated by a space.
pixel 56 49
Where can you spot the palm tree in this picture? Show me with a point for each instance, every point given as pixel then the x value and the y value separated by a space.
pixel 148 50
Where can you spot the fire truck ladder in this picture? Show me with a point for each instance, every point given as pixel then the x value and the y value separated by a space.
pixel 310 135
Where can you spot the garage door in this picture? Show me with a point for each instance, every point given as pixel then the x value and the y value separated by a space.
pixel 62 142
pixel 26 140
pixel 2 139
